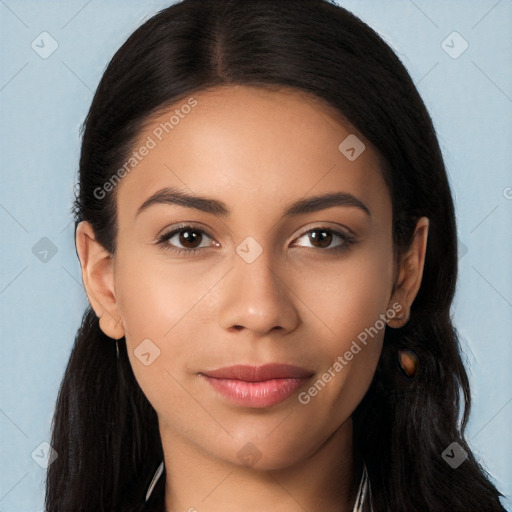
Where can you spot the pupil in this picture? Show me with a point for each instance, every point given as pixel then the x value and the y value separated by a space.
pixel 187 238
pixel 324 238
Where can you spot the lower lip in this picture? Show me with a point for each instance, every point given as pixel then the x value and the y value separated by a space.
pixel 255 394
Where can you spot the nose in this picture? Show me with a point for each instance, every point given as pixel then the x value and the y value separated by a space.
pixel 256 297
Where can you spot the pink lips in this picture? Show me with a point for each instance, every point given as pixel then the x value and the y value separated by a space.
pixel 257 386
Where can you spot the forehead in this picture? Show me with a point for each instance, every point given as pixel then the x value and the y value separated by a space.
pixel 252 148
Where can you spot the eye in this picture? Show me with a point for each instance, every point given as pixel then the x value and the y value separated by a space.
pixel 189 237
pixel 322 237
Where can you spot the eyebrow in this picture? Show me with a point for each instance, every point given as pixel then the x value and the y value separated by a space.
pixel 215 207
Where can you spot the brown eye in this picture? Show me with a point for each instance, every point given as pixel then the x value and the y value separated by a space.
pixel 321 237
pixel 184 239
pixel 189 238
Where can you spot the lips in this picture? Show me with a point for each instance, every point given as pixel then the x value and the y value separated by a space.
pixel 260 373
pixel 257 386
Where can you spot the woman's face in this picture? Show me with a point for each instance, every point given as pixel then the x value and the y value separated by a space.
pixel 258 289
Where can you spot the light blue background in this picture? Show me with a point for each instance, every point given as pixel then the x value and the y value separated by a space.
pixel 44 101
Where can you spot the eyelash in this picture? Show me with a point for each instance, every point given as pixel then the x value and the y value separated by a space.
pixel 347 239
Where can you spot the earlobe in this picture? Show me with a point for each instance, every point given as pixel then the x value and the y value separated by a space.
pixel 410 273
pixel 98 277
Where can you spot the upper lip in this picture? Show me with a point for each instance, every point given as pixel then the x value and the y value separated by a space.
pixel 260 373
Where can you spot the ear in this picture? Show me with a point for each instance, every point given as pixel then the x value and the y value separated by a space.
pixel 98 277
pixel 409 274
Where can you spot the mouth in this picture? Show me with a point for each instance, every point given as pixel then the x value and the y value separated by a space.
pixel 257 386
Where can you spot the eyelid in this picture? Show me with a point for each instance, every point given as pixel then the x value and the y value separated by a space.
pixel 325 225
pixel 182 225
pixel 347 238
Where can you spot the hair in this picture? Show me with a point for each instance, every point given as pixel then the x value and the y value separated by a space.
pixel 104 429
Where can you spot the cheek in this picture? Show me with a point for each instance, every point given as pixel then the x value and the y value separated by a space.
pixel 349 302
pixel 154 294
pixel 349 296
pixel 164 302
pixel 156 301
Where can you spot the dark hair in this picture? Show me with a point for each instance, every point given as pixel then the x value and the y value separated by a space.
pixel 104 429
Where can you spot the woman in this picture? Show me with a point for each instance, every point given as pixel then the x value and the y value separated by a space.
pixel 268 243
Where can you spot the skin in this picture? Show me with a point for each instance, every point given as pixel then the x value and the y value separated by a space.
pixel 257 151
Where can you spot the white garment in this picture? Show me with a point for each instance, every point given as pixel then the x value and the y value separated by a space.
pixel 362 491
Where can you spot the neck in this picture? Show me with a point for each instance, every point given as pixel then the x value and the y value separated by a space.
pixel 327 480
